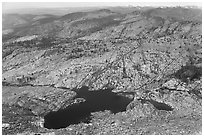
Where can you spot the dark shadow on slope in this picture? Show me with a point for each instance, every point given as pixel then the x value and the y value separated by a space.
pixel 99 100
pixel 187 73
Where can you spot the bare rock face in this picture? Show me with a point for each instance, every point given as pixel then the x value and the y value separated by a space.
pixel 171 84
pixel 153 56
pixel 144 51
pixel 174 97
pixel 39 100
pixel 141 109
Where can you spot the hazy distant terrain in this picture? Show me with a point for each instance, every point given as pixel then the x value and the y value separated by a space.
pixel 108 70
pixel 53 11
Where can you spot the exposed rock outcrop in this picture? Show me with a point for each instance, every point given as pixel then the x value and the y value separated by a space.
pixel 152 55
pixel 39 100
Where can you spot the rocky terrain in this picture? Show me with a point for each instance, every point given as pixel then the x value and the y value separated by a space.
pixel 139 71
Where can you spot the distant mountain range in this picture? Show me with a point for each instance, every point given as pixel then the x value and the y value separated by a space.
pixel 79 24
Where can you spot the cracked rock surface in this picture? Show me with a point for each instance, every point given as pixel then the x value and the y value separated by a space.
pixel 150 56
pixel 39 100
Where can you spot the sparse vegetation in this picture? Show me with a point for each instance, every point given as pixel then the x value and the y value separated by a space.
pixel 151 55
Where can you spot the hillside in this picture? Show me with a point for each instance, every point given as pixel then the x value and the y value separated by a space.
pixel 132 72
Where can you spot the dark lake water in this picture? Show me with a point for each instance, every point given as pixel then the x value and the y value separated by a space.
pixel 161 106
pixel 95 101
